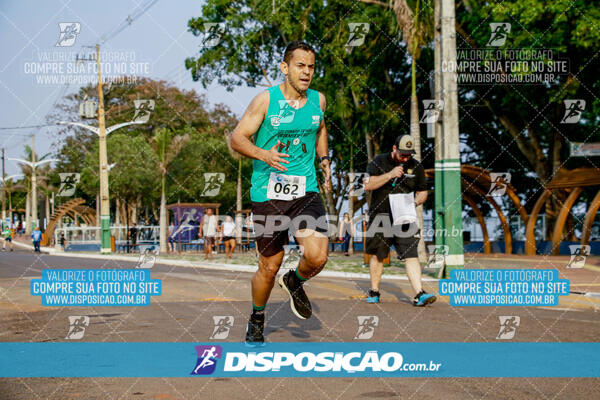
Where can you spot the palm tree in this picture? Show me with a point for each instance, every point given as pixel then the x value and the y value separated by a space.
pixel 8 187
pixel 417 30
pixel 167 146
pixel 236 156
pixel 46 188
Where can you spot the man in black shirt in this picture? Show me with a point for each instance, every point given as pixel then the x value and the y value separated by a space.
pixel 394 179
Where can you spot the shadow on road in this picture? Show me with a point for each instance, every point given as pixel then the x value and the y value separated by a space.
pixel 388 287
pixel 282 319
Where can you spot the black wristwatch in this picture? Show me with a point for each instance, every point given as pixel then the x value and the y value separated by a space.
pixel 325 158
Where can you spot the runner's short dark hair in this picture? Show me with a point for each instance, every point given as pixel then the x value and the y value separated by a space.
pixel 294 46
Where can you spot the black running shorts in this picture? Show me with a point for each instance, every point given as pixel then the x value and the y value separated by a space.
pixel 381 243
pixel 271 229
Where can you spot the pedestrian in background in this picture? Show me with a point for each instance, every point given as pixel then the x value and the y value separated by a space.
pixel 36 236
pixel 346 233
pixel 398 186
pixel 7 236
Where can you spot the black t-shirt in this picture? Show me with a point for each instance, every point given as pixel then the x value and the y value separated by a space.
pixel 382 164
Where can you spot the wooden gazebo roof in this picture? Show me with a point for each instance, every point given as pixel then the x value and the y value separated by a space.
pixel 571 178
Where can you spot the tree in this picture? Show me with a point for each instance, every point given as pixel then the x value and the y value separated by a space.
pixel 417 31
pixel 516 128
pixel 134 175
pixel 167 146
pixel 238 193
pixel 179 111
pixel 364 103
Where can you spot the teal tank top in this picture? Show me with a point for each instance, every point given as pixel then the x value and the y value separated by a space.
pixel 297 130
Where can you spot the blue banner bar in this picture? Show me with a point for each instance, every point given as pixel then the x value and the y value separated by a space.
pixel 350 359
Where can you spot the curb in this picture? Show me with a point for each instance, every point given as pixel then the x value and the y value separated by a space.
pixel 231 267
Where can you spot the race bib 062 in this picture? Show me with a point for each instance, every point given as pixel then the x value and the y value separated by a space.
pixel 285 187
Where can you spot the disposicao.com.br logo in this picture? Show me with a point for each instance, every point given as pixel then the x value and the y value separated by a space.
pixel 315 363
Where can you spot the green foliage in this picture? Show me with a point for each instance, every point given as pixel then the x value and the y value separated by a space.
pixel 135 171
pixel 137 150
pixel 539 144
pixel 365 86
pixel 206 153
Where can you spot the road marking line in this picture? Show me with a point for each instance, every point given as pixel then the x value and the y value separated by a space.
pixel 337 288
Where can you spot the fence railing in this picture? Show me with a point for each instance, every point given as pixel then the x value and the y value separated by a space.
pixel 149 234
pixel 146 234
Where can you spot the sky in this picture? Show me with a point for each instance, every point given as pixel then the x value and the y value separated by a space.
pixel 156 43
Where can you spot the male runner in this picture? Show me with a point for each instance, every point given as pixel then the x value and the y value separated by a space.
pixel 287 123
pixel 395 177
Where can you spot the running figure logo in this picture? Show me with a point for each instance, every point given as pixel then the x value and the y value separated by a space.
pixel 190 220
pixel 366 326
pixel 68 183
pixel 143 108
pixel 212 183
pixel 207 359
pixel 148 256
pixel 357 182
pixel 223 324
pixel 292 253
pixel 573 110
pixel 432 109
pixel 508 327
pixel 579 254
pixel 499 183
pixel 213 33
pixel 287 111
pixel 437 255
pixel 500 31
pixel 68 33
pixel 358 33
pixel 77 325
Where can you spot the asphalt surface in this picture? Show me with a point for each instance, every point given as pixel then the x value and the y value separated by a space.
pixel 192 296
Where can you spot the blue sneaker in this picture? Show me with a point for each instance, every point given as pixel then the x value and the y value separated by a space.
pixel 373 297
pixel 423 298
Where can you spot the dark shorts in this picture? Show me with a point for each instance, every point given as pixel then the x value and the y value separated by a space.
pixel 209 240
pixel 8 239
pixel 381 243
pixel 306 212
pixel 228 238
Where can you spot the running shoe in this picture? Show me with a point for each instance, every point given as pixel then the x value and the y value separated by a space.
pixel 423 298
pixel 373 296
pixel 298 300
pixel 254 331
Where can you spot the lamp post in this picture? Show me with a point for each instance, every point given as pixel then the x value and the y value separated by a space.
pixel 33 166
pixel 104 168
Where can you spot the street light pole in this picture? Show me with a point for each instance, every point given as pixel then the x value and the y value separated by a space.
pixel 104 168
pixel 33 164
pixel 104 200
pixel 102 133
pixel 448 192
pixel 34 213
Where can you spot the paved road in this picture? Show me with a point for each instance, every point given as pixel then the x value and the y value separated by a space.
pixel 191 296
